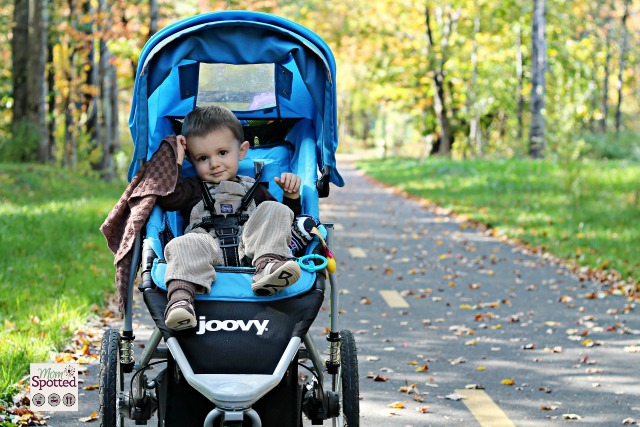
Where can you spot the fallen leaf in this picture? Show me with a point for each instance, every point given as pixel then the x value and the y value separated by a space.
pixel 457 360
pixel 423 368
pixel 455 396
pixel 423 409
pixel 413 388
pixel 548 408
pixel 91 387
pixel 380 378
pixel 628 421
pixel 508 381
pixel 92 417
pixel 571 417
pixel 396 405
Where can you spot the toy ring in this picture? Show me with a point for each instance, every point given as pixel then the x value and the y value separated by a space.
pixel 306 262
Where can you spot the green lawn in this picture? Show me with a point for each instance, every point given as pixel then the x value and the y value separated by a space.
pixel 54 262
pixel 588 212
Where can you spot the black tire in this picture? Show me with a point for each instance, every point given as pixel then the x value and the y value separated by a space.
pixel 111 382
pixel 349 390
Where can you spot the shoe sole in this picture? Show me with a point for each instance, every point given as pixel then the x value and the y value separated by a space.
pixel 179 319
pixel 281 278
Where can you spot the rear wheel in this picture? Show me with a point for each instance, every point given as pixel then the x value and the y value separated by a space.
pixel 111 382
pixel 348 386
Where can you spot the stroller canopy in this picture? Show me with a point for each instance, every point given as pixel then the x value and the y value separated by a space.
pixel 261 66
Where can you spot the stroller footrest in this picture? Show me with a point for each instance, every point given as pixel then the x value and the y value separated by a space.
pixel 233 391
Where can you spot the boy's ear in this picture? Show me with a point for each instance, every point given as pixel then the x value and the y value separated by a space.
pixel 244 148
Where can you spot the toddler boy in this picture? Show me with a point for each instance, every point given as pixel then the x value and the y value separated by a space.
pixel 213 139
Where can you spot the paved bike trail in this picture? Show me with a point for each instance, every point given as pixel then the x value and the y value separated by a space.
pixel 456 327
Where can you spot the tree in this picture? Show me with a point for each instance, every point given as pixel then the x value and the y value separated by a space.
pixel 623 52
pixel 29 49
pixel 538 66
pixel 20 67
pixel 447 25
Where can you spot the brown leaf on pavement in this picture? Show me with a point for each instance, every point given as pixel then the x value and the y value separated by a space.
pixel 90 418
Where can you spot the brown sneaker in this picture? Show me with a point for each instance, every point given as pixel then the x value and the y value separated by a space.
pixel 180 315
pixel 274 273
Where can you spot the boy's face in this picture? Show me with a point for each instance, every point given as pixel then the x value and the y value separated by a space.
pixel 216 155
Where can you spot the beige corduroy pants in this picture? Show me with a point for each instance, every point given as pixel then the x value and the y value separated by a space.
pixel 191 257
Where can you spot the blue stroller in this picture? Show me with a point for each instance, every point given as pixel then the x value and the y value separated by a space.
pixel 250 361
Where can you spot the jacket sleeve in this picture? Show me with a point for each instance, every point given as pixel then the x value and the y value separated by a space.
pixel 262 195
pixel 182 198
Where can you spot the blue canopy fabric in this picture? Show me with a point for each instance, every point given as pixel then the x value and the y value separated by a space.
pixel 167 76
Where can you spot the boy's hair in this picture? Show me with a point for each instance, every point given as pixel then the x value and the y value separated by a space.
pixel 204 120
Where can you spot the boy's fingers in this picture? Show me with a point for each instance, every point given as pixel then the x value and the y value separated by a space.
pixel 289 182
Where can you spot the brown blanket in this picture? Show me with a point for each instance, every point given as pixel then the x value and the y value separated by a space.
pixel 156 178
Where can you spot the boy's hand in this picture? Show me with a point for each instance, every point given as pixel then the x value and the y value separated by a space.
pixel 182 148
pixel 290 184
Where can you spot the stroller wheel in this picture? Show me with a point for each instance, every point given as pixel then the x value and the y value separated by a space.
pixel 348 386
pixel 111 382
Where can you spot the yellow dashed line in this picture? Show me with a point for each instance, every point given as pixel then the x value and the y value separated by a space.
pixel 394 299
pixel 484 409
pixel 357 253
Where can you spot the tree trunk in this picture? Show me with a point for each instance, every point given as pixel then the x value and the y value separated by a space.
pixel 37 84
pixel 520 83
pixel 440 105
pixel 105 165
pixel 623 52
pixel 605 81
pixel 475 134
pixel 20 69
pixel 539 64
pixel 153 17
pixel 51 81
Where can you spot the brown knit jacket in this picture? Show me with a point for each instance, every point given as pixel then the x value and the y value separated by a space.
pixel 156 178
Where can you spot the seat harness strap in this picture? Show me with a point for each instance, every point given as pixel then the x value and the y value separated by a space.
pixel 227 227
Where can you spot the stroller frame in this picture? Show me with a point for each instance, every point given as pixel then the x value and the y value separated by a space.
pixel 304 90
pixel 232 394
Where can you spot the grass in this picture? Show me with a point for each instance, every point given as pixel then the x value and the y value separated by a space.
pixel 54 262
pixel 582 211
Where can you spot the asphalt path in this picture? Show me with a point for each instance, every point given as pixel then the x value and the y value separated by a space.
pixel 455 327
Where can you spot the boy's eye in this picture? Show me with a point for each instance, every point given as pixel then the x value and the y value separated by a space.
pixel 202 158
pixel 223 152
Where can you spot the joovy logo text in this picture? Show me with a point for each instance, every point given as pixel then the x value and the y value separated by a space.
pixel 54 386
pixel 231 325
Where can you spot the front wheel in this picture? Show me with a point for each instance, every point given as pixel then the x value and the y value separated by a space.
pixel 111 382
pixel 348 385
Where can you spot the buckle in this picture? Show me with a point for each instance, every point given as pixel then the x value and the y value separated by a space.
pixel 228 241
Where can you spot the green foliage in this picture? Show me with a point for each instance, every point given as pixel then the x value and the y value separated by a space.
pixel 585 211
pixel 54 262
pixel 613 146
pixel 22 145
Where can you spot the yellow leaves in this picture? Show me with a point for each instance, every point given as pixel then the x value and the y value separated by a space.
pixel 92 417
pixel 508 381
pixel 423 368
pixel 396 405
